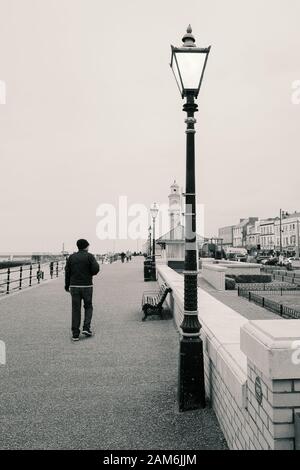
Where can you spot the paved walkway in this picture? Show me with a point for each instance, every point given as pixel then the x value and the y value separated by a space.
pixel 247 309
pixel 116 390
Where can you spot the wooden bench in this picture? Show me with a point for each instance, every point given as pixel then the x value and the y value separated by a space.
pixel 152 301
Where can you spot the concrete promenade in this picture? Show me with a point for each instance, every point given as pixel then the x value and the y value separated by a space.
pixel 116 390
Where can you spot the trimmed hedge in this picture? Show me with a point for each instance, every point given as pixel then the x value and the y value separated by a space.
pixel 229 283
pixel 251 278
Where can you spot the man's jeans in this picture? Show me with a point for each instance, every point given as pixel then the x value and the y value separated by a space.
pixel 78 294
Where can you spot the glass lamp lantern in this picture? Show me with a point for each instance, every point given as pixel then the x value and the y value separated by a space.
pixel 188 65
pixel 154 211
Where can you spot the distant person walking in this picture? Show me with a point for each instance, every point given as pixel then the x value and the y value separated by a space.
pixel 123 256
pixel 80 269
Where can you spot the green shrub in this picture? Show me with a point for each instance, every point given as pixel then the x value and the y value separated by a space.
pixel 229 283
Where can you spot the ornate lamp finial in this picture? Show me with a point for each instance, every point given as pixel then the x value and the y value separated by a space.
pixel 188 39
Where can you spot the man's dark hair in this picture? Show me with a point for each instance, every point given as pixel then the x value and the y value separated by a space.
pixel 82 244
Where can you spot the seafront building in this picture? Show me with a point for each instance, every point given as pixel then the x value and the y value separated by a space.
pixel 272 234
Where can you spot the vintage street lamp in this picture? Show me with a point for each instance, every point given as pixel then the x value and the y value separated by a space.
pixel 188 64
pixel 282 215
pixel 154 212
pixel 149 249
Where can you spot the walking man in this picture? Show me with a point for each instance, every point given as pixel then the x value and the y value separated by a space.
pixel 79 272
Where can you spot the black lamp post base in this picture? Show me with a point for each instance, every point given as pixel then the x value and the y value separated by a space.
pixel 191 388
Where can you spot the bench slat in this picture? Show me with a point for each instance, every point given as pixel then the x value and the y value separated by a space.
pixel 154 300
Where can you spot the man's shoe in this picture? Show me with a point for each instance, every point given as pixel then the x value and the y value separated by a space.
pixel 75 338
pixel 87 332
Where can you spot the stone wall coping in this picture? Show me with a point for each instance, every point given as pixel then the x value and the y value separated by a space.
pixel 272 345
pixel 239 265
pixel 214 267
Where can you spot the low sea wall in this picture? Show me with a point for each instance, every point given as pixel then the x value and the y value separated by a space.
pixel 252 371
pixel 215 273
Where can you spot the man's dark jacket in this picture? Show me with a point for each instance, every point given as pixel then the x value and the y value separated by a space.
pixel 80 269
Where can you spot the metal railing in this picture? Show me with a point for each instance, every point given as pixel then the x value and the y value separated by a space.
pixel 272 305
pixel 18 278
pixel 270 288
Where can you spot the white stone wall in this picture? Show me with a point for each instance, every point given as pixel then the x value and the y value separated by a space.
pixel 273 420
pixel 237 270
pixel 232 416
pixel 235 267
pixel 214 275
pixel 231 372
pixel 273 356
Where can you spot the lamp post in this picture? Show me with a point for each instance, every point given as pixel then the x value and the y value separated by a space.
pixel 297 240
pixel 282 215
pixel 154 212
pixel 188 64
pixel 149 250
pixel 280 229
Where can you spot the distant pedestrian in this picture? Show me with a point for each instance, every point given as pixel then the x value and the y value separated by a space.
pixel 123 256
pixel 39 275
pixel 51 269
pixel 80 269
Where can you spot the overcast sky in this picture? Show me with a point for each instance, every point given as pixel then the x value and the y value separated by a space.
pixel 92 112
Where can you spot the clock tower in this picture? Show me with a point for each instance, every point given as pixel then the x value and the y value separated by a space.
pixel 175 206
